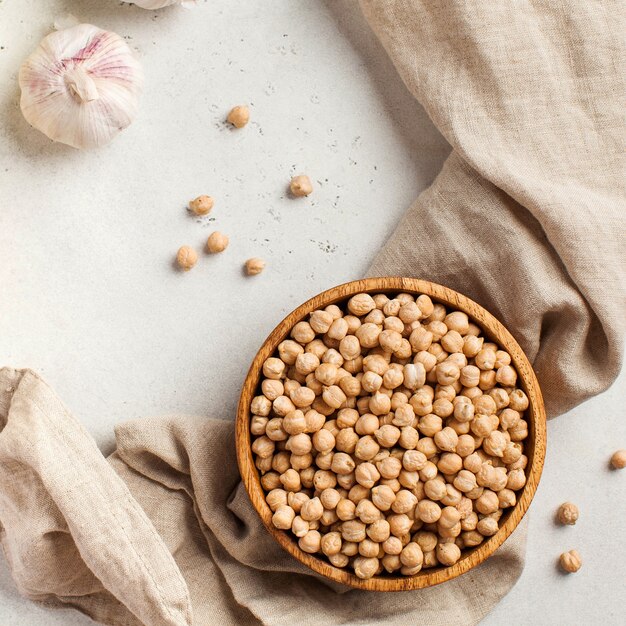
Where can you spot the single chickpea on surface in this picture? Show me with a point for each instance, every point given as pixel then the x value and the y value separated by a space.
pixel 217 242
pixel 618 460
pixel 186 257
pixel 239 116
pixel 389 435
pixel 570 561
pixel 201 205
pixel 300 186
pixel 567 513
pixel 254 266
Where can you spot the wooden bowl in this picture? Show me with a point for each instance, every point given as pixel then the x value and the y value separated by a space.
pixel 534 445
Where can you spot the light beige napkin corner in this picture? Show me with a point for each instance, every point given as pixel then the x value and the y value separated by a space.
pixel 527 217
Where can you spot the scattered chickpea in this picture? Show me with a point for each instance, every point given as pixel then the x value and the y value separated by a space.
pixel 300 186
pixel 239 116
pixel 567 513
pixel 254 266
pixel 186 257
pixel 618 460
pixel 389 434
pixel 217 242
pixel 570 561
pixel 201 205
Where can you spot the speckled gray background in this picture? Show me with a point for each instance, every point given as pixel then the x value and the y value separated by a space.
pixel 89 298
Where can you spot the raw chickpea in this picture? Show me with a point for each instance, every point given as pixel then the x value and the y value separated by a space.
pixel 430 424
pixel 345 509
pixel 326 373
pixel 299 444
pixel 338 331
pixel 412 555
pixel 365 567
pixel 302 397
pixel 471 520
pixel 320 321
pixel 452 341
pixel 290 480
pixel 487 380
pixel 217 242
pixel 446 439
pixel 361 304
pixel 331 543
pixel 487 526
pixel 428 511
pixel 306 363
pixel 399 524
pixel 448 553
pixel 350 385
pixel 342 463
pixel 413 460
pixel 506 498
pixel 570 561
pixel 471 538
pixel 369 548
pixel 276 498
pixel 272 389
pixel 379 404
pixel 404 415
pixel 289 350
pixel 324 441
pixel 350 548
pixel 389 467
pixel 367 475
pixel 349 347
pixel 258 425
pixel 449 463
pixel 414 375
pixel 339 560
pixel 567 513
pixel 324 479
pixel 618 460
pixel 312 510
pixel 296 499
pixel 383 497
pixel 367 424
pixel 465 481
pixel 254 266
pixel 371 382
pixel 353 530
pixel 443 407
pixel 518 400
pixel 283 517
pixel 368 334
pixel 300 186
pixel 409 438
pixel 311 542
pixel 263 447
pixel 387 435
pixel 270 481
pixel 404 502
pixel 435 489
pixel 347 418
pixel 500 397
pixel 470 376
pixel 428 472
pixel 465 445
pixel 487 502
pixel 506 376
pixel 495 443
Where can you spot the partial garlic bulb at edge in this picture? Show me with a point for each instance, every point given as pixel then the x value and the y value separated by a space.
pixel 81 86
pixel 159 4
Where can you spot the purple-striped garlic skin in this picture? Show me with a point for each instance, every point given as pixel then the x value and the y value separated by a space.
pixel 81 86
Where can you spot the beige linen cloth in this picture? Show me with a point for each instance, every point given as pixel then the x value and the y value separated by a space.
pixel 527 217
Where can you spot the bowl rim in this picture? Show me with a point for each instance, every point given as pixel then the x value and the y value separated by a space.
pixel 535 445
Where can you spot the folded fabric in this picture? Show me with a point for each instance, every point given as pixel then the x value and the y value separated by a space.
pixel 163 533
pixel 526 217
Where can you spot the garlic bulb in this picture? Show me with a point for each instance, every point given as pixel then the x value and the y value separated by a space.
pixel 81 86
pixel 159 4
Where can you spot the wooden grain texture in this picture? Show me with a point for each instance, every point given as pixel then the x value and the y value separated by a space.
pixel 534 445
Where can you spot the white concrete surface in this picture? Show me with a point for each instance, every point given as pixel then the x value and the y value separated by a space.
pixel 89 297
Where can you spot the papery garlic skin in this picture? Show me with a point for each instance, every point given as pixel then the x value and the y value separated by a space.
pixel 159 4
pixel 81 86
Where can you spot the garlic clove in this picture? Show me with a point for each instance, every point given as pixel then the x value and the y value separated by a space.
pixel 81 86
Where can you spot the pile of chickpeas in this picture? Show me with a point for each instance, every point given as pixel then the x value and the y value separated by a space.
pixel 388 434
